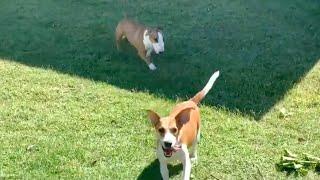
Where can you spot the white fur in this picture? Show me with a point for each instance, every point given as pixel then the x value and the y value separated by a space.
pixel 186 163
pixel 149 46
pixel 164 169
pixel 152 66
pixel 159 47
pixel 210 83
pixel 149 51
pixel 181 155
pixel 169 137
pixel 146 41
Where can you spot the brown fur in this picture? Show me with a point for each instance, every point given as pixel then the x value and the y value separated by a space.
pixel 185 117
pixel 133 31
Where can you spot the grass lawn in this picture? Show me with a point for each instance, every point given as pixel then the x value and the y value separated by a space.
pixel 73 107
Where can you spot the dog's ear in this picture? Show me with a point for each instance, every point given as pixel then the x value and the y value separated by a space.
pixel 159 28
pixel 153 116
pixel 148 33
pixel 183 115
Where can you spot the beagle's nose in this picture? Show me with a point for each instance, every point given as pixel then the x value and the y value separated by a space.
pixel 167 144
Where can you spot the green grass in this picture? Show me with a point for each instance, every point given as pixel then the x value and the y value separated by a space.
pixel 71 106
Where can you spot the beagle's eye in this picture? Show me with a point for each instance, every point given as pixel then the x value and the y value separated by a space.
pixel 161 130
pixel 156 39
pixel 173 130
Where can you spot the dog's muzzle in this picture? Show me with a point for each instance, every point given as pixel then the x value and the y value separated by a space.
pixel 168 151
pixel 158 49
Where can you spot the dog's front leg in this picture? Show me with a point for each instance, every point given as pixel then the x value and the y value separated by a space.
pixel 164 170
pixel 186 163
pixel 148 54
pixel 147 59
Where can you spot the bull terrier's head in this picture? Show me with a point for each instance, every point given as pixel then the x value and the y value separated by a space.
pixel 154 38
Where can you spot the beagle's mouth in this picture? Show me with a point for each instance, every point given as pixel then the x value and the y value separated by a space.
pixel 169 151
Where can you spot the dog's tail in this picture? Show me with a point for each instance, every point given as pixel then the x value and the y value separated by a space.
pixel 201 94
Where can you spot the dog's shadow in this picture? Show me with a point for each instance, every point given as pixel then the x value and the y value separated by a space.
pixel 153 171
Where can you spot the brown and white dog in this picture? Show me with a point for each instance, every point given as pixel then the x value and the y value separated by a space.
pixel 180 131
pixel 144 39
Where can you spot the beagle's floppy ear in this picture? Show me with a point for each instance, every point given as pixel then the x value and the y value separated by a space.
pixel 154 117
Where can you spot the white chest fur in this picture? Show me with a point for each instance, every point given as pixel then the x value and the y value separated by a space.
pixel 181 155
pixel 147 43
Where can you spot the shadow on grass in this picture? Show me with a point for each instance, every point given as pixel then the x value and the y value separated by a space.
pixel 153 171
pixel 262 49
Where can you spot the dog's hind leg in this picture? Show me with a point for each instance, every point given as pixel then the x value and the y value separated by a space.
pixel 119 35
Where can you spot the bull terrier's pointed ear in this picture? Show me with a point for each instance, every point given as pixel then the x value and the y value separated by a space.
pixel 159 28
pixel 148 32
pixel 153 116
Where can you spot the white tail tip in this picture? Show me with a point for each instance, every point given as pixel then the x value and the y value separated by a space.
pixel 211 81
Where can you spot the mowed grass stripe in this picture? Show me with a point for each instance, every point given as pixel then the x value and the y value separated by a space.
pixel 57 125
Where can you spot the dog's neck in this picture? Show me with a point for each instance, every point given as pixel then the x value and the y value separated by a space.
pixel 146 41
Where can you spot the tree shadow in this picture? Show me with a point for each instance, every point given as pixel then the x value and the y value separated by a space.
pixel 262 49
pixel 153 171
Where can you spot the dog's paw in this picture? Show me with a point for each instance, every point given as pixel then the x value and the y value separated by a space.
pixel 152 67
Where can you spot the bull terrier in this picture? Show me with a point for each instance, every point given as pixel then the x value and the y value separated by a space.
pixel 145 39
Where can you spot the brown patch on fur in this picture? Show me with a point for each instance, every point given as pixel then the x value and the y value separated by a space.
pixel 183 122
pixel 133 32
pixel 153 35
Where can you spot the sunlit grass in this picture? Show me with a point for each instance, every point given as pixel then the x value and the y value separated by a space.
pixel 56 125
pixel 73 107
